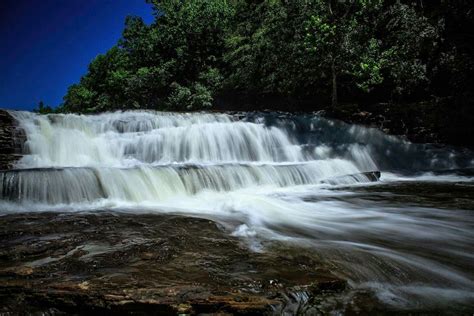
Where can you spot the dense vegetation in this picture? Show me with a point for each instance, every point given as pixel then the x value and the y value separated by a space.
pixel 310 53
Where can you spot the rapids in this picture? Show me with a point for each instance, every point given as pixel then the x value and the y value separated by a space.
pixel 292 178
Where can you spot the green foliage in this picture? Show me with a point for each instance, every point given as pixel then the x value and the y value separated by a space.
pixel 43 109
pixel 196 50
pixel 369 70
pixel 411 40
pixel 175 59
pixel 368 42
pixel 265 50
pixel 79 99
pixel 180 97
pixel 187 99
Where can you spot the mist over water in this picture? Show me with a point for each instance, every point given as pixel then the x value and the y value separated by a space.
pixel 293 178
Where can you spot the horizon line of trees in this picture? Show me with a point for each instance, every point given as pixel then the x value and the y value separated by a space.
pixel 196 51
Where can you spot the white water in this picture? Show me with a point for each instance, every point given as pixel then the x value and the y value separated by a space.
pixel 265 178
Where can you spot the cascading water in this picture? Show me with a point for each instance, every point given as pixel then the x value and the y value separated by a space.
pixel 151 157
pixel 265 176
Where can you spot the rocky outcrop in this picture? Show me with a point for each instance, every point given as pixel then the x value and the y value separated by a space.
pixel 11 140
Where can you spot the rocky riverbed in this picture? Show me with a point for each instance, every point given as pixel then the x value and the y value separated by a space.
pixel 118 262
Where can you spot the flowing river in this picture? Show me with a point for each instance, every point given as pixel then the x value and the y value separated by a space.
pixel 296 179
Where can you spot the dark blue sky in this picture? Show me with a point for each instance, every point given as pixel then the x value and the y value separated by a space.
pixel 46 45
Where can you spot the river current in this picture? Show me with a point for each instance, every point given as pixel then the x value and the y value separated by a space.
pixel 302 179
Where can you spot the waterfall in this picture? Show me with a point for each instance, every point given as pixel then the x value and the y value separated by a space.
pixel 264 176
pixel 151 156
pixel 147 156
pixel 68 185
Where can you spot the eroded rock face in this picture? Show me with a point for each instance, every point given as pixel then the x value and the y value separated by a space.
pixel 115 262
pixel 11 139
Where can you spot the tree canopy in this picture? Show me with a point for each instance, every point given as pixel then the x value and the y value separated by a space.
pixel 196 51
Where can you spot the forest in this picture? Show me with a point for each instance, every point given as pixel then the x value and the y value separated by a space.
pixel 414 57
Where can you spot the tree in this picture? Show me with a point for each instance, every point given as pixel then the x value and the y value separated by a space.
pixel 43 109
pixel 155 65
pixel 79 99
pixel 409 41
pixel 265 52
pixel 338 35
pixel 196 50
pixel 369 42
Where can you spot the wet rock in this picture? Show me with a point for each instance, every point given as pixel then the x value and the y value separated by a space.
pixel 17 271
pixel 371 176
pixel 11 140
pixel 110 262
pixel 331 285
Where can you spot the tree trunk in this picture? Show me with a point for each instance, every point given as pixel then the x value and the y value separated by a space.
pixel 334 84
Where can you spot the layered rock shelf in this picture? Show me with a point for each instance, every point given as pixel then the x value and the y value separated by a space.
pixel 124 263
pixel 11 140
